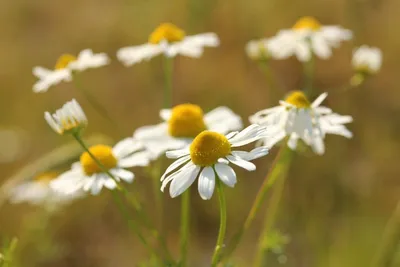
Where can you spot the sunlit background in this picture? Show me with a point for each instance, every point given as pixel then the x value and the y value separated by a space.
pixel 334 207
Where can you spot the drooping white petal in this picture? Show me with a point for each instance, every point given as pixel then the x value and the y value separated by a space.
pixel 184 180
pixel 241 162
pixel 206 183
pixel 226 174
pixel 292 143
pixel 123 174
pixel 175 165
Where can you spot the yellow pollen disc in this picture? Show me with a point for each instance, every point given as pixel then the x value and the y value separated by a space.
pixel 186 121
pixel 309 23
pixel 103 154
pixel 168 32
pixel 46 177
pixel 64 60
pixel 208 147
pixel 298 99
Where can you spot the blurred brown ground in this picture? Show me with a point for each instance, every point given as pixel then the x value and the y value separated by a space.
pixel 335 206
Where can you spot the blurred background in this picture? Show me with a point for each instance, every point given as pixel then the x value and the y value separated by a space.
pixel 334 207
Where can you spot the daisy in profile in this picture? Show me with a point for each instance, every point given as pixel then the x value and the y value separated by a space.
pixel 169 40
pixel 68 119
pixel 297 118
pixel 64 68
pixel 38 192
pixel 183 123
pixel 258 49
pixel 367 60
pixel 308 37
pixel 208 157
pixel 88 176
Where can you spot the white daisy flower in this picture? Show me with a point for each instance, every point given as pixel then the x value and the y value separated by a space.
pixel 169 40
pixel 38 192
pixel 70 118
pixel 297 119
pixel 308 37
pixel 258 49
pixel 86 174
pixel 65 67
pixel 209 156
pixel 183 123
pixel 367 60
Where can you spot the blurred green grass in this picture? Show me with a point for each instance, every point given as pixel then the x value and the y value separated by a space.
pixel 335 206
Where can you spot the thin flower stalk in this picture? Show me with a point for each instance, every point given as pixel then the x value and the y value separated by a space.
pixel 185 228
pixel 168 64
pixel 222 226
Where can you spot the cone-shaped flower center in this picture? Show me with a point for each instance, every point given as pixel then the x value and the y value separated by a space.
pixel 186 121
pixel 298 99
pixel 45 177
pixel 103 154
pixel 308 23
pixel 168 32
pixel 64 60
pixel 208 147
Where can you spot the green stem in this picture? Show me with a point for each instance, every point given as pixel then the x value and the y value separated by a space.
pixel 282 159
pixel 222 226
pixel 168 72
pixel 270 218
pixel 9 253
pixel 94 102
pixel 266 69
pixel 116 197
pixel 388 248
pixel 309 71
pixel 185 227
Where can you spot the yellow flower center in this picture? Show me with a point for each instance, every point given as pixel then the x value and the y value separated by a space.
pixel 308 23
pixel 64 60
pixel 298 99
pixel 168 32
pixel 46 177
pixel 208 147
pixel 186 121
pixel 103 154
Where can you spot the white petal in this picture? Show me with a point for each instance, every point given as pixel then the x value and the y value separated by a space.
pixel 206 183
pixel 141 158
pixel 241 162
pixel 175 165
pixel 184 181
pixel 126 147
pixel 319 100
pixel 252 155
pixel 226 174
pixel 135 54
pixel 174 154
pixel 223 120
pixel 125 175
pixel 165 114
pixel 292 143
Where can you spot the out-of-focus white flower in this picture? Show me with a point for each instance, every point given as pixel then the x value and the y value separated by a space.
pixel 38 192
pixel 183 123
pixel 87 175
pixel 307 37
pixel 209 156
pixel 65 67
pixel 169 40
pixel 297 118
pixel 258 49
pixel 69 118
pixel 367 60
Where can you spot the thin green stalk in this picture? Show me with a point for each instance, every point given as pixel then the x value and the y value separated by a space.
pixel 94 102
pixel 309 71
pixel 168 72
pixel 270 218
pixel 116 198
pixel 280 161
pixel 185 227
pixel 266 69
pixel 7 257
pixel 222 226
pixel 388 248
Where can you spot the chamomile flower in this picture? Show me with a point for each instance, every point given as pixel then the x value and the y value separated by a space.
pixel 183 123
pixel 87 175
pixel 208 158
pixel 308 37
pixel 258 49
pixel 169 40
pixel 68 119
pixel 65 67
pixel 297 118
pixel 38 192
pixel 367 60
